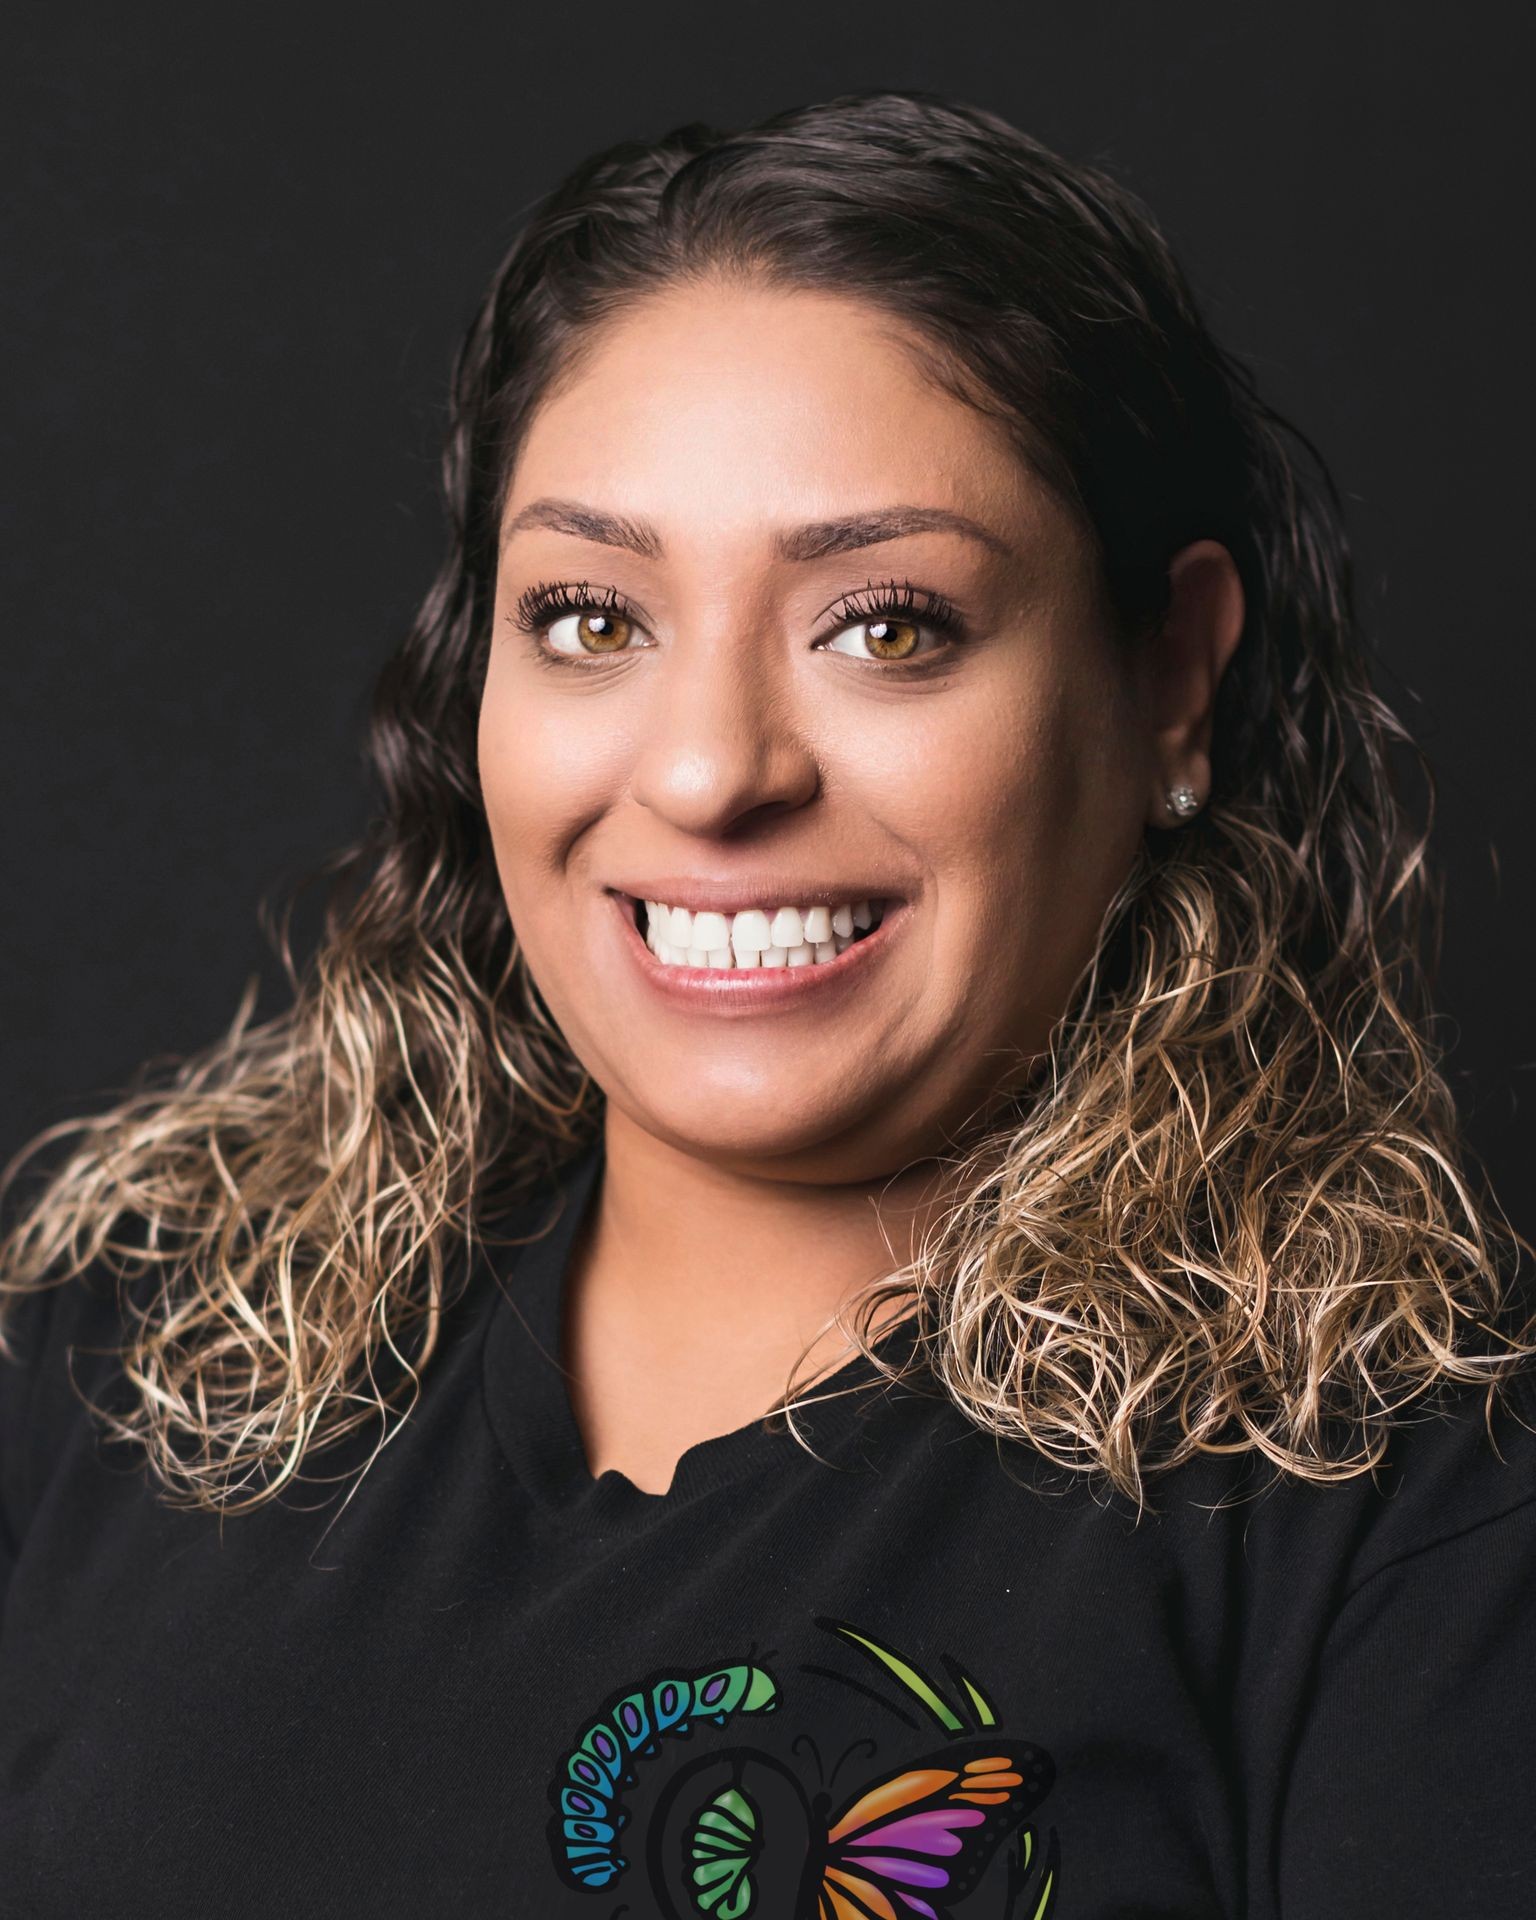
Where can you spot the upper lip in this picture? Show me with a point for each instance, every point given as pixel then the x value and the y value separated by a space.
pixel 700 895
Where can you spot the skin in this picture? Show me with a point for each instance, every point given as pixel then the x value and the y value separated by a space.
pixel 761 1168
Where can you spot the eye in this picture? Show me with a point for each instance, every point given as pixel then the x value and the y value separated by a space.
pixel 591 631
pixel 894 621
pixel 887 638
pixel 568 621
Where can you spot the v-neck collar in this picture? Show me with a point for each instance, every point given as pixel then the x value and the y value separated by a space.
pixel 529 1406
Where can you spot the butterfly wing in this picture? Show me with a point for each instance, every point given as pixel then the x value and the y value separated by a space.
pixel 911 1845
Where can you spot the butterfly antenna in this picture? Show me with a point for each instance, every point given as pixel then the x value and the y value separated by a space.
pixel 806 1740
pixel 869 1745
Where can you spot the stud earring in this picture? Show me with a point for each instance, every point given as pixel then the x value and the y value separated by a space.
pixel 1183 802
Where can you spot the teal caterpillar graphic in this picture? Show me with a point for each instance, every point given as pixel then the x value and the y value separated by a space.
pixel 585 1829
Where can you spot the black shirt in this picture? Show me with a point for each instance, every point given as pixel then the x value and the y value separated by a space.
pixel 920 1676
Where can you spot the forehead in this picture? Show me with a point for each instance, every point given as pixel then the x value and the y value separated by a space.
pixel 734 405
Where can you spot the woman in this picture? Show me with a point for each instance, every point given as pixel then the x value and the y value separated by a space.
pixel 890 904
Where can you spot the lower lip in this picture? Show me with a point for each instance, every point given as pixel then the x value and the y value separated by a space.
pixel 758 989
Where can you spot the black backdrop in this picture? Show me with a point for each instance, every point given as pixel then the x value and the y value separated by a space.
pixel 243 243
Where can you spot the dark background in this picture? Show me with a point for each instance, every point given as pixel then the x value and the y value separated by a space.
pixel 242 245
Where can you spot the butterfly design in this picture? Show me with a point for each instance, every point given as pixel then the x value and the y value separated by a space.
pixel 736 1834
pixel 906 1847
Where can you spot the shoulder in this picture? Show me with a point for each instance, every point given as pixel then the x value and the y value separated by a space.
pixel 1461 1467
pixel 1288 1551
pixel 1407 1753
pixel 62 1339
pixel 1457 1474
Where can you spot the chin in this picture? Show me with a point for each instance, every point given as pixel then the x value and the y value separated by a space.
pixel 814 1149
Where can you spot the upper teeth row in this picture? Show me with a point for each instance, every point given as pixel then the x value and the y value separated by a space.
pixel 754 936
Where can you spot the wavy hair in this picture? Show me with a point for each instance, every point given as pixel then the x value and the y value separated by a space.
pixel 1232 1213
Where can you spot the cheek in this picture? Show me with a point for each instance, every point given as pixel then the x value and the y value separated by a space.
pixel 1002 783
pixel 1026 808
pixel 545 774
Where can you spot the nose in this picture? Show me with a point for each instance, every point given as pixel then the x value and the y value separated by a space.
pixel 724 743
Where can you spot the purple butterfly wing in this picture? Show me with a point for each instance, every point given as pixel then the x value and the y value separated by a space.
pixel 911 1845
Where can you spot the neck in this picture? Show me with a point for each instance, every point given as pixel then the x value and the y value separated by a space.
pixel 745 1267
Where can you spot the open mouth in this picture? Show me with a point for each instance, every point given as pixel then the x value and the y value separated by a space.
pixel 786 936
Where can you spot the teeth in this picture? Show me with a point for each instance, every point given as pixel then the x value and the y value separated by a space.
pixel 788 929
pixel 780 937
pixel 750 933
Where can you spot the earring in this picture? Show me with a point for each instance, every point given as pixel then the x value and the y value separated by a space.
pixel 1183 802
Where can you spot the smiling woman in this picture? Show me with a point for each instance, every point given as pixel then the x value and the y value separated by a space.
pixel 868 1092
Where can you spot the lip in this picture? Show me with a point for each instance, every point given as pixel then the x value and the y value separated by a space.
pixel 732 990
pixel 735 896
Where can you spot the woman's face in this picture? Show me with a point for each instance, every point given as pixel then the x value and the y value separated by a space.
pixel 721 719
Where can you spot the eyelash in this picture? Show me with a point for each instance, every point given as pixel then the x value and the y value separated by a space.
pixel 546 602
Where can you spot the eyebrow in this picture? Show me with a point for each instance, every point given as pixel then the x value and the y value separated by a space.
pixel 815 540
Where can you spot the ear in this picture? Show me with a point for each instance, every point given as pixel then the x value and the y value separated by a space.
pixel 1179 667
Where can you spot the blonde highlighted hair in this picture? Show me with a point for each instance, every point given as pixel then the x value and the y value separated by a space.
pixel 1231 1212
